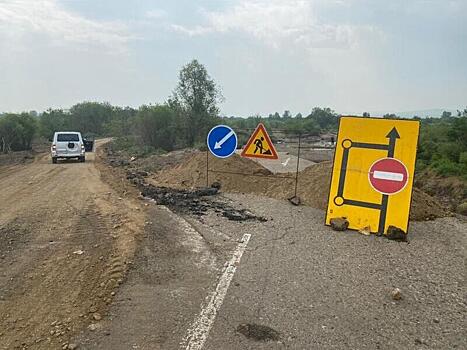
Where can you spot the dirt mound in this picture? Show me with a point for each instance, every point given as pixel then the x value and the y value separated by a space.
pixel 192 173
pixel 313 182
pixel 451 190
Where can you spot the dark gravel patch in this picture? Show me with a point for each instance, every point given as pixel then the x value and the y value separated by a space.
pixel 258 332
pixel 196 202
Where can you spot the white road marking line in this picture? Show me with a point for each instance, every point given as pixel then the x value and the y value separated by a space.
pixel 385 175
pixel 286 162
pixel 198 333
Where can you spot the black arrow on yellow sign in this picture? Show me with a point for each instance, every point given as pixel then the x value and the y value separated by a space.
pixel 347 144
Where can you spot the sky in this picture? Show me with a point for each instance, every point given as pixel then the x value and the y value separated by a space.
pixel 265 55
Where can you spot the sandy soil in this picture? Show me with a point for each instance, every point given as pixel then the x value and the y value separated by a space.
pixel 66 240
pixel 241 175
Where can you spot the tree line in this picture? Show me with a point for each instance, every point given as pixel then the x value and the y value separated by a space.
pixel 182 121
pixel 442 145
pixel 193 108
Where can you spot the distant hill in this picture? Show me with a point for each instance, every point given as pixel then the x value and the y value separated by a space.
pixel 436 113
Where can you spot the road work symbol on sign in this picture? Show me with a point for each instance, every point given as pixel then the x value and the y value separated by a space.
pixel 222 141
pixel 260 145
pixel 373 171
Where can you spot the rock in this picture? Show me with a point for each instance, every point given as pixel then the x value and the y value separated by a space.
pixel 93 327
pixel 339 224
pixel 78 252
pixel 396 294
pixel 92 309
pixel 396 234
pixel 72 346
pixel 216 184
pixel 420 341
pixel 137 181
pixel 365 231
pixel 208 191
pixel 295 200
pixel 97 316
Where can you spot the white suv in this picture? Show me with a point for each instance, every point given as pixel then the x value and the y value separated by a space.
pixel 67 144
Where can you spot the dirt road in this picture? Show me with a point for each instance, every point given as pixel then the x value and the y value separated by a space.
pixel 66 240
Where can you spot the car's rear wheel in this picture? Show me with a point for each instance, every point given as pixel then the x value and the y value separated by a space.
pixel 82 159
pixel 54 160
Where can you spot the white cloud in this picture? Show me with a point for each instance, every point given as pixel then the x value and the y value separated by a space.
pixel 277 22
pixel 48 17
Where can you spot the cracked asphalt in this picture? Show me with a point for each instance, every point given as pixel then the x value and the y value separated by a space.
pixel 298 281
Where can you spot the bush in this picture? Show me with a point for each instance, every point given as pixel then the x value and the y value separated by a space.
pixel 51 121
pixel 155 125
pixel 16 132
pixel 446 167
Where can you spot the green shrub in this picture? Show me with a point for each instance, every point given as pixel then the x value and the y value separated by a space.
pixel 16 132
pixel 447 167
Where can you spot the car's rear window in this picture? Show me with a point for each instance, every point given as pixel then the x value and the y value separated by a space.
pixel 67 137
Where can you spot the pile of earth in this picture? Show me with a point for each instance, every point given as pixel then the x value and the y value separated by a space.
pixel 241 175
pixel 451 191
pixel 151 163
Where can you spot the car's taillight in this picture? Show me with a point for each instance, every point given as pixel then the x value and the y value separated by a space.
pixel 54 147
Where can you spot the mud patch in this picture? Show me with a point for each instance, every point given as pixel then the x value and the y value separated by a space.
pixel 196 202
pixel 258 332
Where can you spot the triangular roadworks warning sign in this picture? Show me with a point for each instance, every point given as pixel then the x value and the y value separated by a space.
pixel 260 145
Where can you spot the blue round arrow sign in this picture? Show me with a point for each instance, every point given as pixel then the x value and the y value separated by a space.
pixel 222 141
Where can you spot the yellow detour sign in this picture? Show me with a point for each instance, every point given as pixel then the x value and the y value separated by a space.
pixel 373 170
pixel 260 145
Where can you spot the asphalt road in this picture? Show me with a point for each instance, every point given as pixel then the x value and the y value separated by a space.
pixel 298 285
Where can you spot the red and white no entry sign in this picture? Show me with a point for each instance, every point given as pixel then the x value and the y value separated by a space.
pixel 388 176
